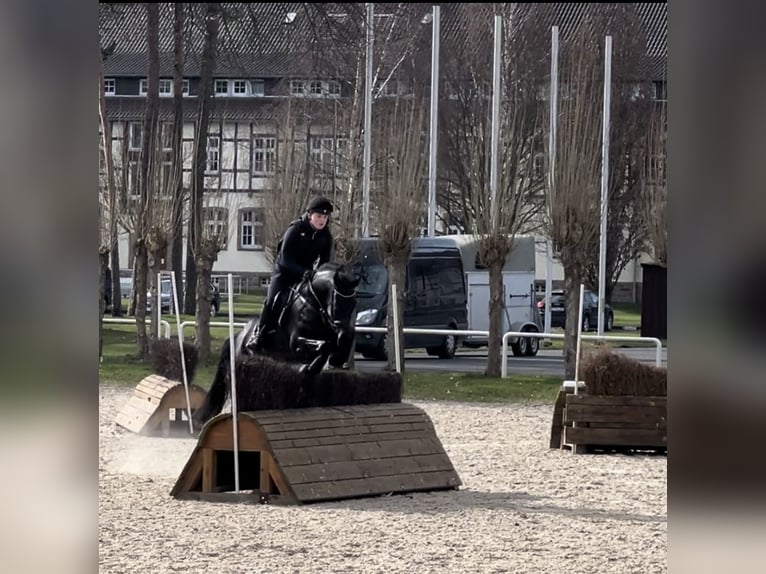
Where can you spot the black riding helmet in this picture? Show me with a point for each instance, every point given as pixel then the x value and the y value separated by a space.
pixel 320 205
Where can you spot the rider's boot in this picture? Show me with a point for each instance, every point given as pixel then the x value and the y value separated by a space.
pixel 255 344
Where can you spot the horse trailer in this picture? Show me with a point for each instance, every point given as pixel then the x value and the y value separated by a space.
pixel 447 288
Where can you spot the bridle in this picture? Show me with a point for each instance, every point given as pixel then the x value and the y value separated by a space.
pixel 331 305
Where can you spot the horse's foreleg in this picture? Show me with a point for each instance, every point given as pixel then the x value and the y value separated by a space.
pixel 315 366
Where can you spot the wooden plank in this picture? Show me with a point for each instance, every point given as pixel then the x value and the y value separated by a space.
pixel 350 469
pixel 557 425
pixel 616 400
pixel 628 437
pixel 611 414
pixel 358 429
pixel 321 413
pixel 317 491
pixel 264 481
pixel 219 436
pixel 208 469
pixel 341 439
pixel 339 422
pixel 190 475
pixel 357 451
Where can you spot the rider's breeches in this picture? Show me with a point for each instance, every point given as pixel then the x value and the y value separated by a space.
pixel 279 282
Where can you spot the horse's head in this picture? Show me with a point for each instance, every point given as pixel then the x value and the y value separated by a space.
pixel 335 286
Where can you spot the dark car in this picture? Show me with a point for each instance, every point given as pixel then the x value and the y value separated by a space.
pixel 167 301
pixel 589 310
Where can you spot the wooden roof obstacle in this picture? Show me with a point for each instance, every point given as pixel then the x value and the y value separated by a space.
pixel 298 456
pixel 158 407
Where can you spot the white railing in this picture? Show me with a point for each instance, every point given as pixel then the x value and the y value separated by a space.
pixel 464 333
pixel 126 321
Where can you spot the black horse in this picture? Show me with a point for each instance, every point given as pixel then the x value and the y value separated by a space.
pixel 316 324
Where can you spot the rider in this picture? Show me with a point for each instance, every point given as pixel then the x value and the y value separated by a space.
pixel 306 241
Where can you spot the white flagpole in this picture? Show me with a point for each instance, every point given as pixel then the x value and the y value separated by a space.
pixel 604 183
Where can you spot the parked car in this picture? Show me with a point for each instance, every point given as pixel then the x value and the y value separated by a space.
pixel 126 285
pixel 589 311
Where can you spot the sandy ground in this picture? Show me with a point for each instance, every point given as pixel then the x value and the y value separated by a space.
pixel 522 508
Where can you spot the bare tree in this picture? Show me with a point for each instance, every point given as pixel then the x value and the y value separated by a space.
pixel 401 199
pixel 147 169
pixel 654 182
pixel 574 197
pixel 106 211
pixel 176 241
pixel 194 236
pixel 214 236
pixel 631 104
pixel 467 120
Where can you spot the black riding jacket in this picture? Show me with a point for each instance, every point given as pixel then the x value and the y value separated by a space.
pixel 301 247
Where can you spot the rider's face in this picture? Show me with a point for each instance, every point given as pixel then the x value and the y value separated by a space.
pixel 318 220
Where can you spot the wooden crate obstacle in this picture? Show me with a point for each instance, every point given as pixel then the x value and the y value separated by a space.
pixel 158 407
pixel 297 456
pixel 620 405
pixel 606 422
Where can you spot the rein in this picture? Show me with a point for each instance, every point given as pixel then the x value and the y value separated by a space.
pixel 322 311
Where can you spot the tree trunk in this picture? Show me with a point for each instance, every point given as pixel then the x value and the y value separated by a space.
pixel 572 286
pixel 139 289
pixel 103 260
pixel 106 135
pixel 200 154
pixel 147 166
pixel 204 263
pixel 176 242
pixel 496 313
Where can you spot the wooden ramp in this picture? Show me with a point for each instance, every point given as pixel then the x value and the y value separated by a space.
pixel 297 456
pixel 158 407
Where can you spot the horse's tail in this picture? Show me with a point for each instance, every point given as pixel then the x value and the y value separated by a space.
pixel 218 393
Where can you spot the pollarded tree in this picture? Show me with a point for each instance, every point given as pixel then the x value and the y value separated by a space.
pixel 654 181
pixel 631 104
pixel 467 118
pixel 574 198
pixel 401 162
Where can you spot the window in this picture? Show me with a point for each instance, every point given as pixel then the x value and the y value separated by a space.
pixel 166 88
pixel 264 155
pixel 538 167
pixel 185 88
pixel 213 154
pixel 391 88
pixel 221 87
pixel 325 157
pixel 315 88
pixel 660 91
pixel 258 87
pixel 135 131
pixel 216 224
pixel 250 228
pixel 110 87
pixel 239 87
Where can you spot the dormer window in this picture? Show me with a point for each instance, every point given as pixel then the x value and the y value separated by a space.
pixel 165 87
pixel 110 87
pixel 315 88
pixel 237 88
pixel 221 88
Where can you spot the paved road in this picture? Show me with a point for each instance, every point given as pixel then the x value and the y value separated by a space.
pixel 547 362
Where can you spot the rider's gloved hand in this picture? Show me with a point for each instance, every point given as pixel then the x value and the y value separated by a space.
pixel 307 275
